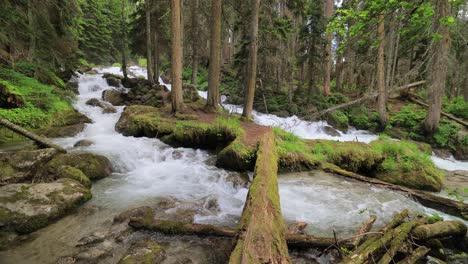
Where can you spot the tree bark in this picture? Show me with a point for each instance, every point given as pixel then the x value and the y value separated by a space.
pixel 252 63
pixel 261 237
pixel 195 40
pixel 439 230
pixel 382 99
pixel 155 32
pixel 438 66
pixel 124 42
pixel 176 92
pixel 364 228
pixel 41 141
pixel 415 256
pixel 149 55
pixel 328 49
pixel 215 56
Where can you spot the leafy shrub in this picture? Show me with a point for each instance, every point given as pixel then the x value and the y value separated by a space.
pixel 445 136
pixel 25 67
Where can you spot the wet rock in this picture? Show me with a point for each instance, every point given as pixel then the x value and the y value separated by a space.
pixel 66 260
pixel 20 166
pixel 113 96
pixel 92 165
pixel 461 151
pixel 190 93
pixel 24 208
pixel 212 205
pixel 92 255
pixel 239 180
pixel 83 143
pixel 96 237
pixel 166 77
pixel 91 71
pixel 442 153
pixel 145 252
pixel 331 131
pixel 114 82
pixel 106 107
pixel 134 82
pixel 134 212
pixel 297 228
pixel 177 154
pixel 67 171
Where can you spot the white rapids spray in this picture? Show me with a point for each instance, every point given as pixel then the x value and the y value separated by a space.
pixel 148 169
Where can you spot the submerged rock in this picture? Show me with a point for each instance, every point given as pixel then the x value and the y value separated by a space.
pixel 331 131
pixel 24 208
pixel 114 82
pixel 16 167
pixel 144 252
pixel 106 107
pixel 83 143
pixel 113 96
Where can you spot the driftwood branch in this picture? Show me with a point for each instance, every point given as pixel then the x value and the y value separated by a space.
pixel 371 96
pixel 427 199
pixel 41 141
pixel 364 228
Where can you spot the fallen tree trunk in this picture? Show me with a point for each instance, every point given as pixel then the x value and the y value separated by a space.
pixel 427 199
pixel 316 115
pixel 439 230
pixel 415 256
pixel 451 117
pixel 41 141
pixel 261 236
pixel 294 241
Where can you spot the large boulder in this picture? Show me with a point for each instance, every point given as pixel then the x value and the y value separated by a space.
pixel 72 85
pixel 24 208
pixel 94 166
pixel 106 107
pixel 190 93
pixel 83 143
pixel 20 166
pixel 113 96
pixel 67 124
pixel 461 151
pixel 114 82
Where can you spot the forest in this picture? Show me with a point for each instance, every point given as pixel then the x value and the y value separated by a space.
pixel 255 131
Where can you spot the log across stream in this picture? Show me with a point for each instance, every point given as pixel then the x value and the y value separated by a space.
pixel 149 172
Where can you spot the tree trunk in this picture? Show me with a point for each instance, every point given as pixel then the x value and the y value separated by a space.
pixel 328 49
pixel 215 55
pixel 261 237
pixel 41 141
pixel 124 42
pixel 195 39
pixel 155 32
pixel 252 63
pixel 149 55
pixel 382 99
pixel 176 92
pixel 438 66
pixel 439 230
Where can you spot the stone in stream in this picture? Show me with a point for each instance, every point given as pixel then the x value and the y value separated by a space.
pixel 331 131
pixel 24 208
pixel 106 107
pixel 461 145
pixel 83 143
pixel 94 166
pixel 114 82
pixel 113 96
pixel 146 251
pixel 71 123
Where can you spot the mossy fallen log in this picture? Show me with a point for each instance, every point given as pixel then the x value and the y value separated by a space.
pixel 417 254
pixel 261 236
pixel 41 141
pixel 168 227
pixel 440 229
pixel 427 199
pixel 394 238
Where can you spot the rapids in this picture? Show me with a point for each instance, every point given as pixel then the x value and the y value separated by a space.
pixel 148 171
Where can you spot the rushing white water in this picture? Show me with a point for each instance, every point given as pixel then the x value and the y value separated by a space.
pixel 148 169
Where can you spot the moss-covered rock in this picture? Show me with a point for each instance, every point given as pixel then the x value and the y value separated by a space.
pixel 106 107
pixel 70 172
pixel 94 166
pixel 20 166
pixel 237 156
pixel 65 124
pixel 144 252
pixel 113 96
pixel 461 147
pixel 24 208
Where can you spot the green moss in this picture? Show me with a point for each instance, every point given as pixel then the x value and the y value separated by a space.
pixel 93 166
pixel 67 171
pixel 146 252
pixel 339 120
pixel 42 102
